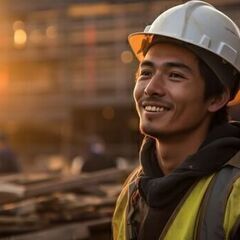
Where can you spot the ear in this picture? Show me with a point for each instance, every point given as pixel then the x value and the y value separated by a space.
pixel 218 102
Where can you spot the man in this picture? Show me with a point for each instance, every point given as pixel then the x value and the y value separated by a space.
pixel 9 163
pixel 187 185
pixel 96 156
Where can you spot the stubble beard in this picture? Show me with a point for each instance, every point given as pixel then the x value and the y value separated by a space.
pixel 153 133
pixel 167 134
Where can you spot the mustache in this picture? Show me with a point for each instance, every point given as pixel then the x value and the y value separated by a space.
pixel 157 99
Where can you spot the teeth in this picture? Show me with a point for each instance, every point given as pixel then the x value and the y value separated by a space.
pixel 154 109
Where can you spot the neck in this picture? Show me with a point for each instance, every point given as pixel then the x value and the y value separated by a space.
pixel 172 152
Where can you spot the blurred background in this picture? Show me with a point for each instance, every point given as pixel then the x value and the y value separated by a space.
pixel 66 107
pixel 67 74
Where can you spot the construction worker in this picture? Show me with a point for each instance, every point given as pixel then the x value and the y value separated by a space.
pixel 188 183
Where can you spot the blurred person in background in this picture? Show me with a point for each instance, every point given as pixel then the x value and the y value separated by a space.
pixel 188 183
pixel 9 163
pixel 96 157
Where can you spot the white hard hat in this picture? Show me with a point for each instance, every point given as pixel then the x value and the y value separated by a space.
pixel 210 34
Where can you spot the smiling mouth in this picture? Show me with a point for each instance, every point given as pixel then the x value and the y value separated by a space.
pixel 150 108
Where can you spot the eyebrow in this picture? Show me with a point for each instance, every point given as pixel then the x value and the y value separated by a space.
pixel 147 63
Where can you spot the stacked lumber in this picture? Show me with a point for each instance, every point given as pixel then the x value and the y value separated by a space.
pixel 33 206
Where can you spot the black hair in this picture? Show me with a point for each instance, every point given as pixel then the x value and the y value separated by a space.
pixel 213 88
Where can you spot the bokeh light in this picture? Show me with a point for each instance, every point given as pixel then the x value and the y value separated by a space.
pixel 20 38
pixel 126 56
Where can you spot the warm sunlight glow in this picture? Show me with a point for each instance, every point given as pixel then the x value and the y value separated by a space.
pixel 20 37
pixel 4 79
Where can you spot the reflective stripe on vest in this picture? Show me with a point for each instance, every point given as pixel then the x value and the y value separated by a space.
pixel 221 207
pixel 211 223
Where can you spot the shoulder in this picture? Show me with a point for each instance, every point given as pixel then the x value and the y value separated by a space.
pixel 133 176
pixel 127 187
pixel 121 208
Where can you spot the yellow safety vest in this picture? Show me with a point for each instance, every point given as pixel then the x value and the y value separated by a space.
pixel 183 224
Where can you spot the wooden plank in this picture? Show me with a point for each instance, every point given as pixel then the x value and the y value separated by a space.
pixel 79 231
pixel 74 182
pixel 10 192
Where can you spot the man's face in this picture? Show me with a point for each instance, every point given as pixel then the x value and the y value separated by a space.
pixel 169 92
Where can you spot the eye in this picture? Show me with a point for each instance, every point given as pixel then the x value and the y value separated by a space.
pixel 176 76
pixel 145 73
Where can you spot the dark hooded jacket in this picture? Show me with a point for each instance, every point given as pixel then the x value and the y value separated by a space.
pixel 161 194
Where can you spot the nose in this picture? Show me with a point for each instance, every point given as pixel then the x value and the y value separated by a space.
pixel 155 86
